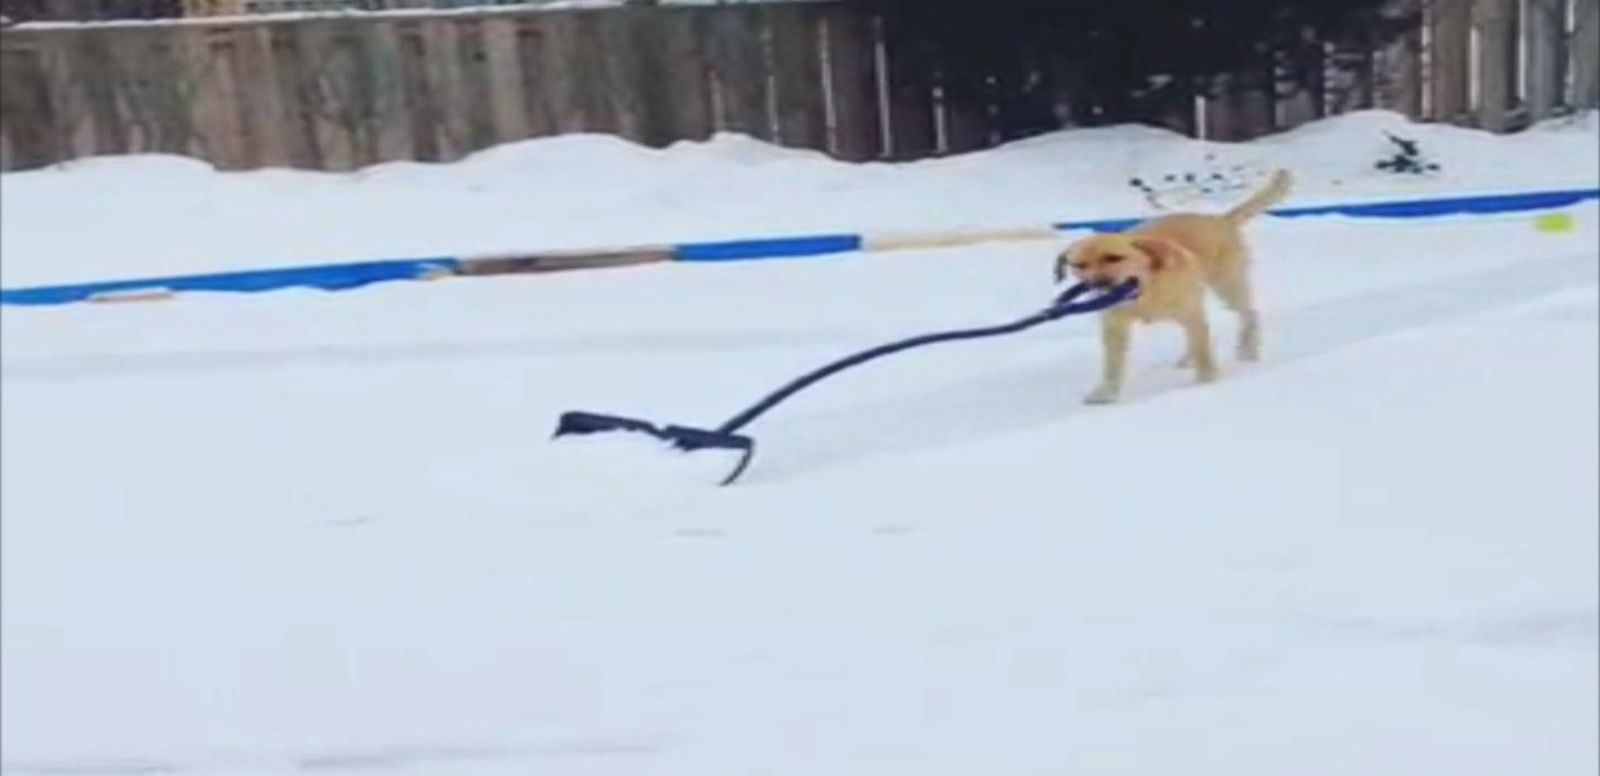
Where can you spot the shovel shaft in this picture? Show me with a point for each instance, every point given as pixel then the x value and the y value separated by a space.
pixel 1064 306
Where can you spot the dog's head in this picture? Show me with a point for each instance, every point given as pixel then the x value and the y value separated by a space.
pixel 1109 259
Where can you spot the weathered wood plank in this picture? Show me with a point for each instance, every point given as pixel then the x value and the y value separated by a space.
pixel 797 75
pixel 575 63
pixel 389 136
pixel 74 129
pixel 740 76
pixel 1353 82
pixel 330 89
pixel 27 107
pixel 296 97
pixel 910 80
pixel 1585 45
pixel 255 100
pixel 1241 107
pixel 622 77
pixel 1398 65
pixel 968 119
pixel 442 66
pixel 473 85
pixel 159 89
pixel 419 92
pixel 219 133
pixel 1495 21
pixel 681 73
pixel 1545 42
pixel 261 104
pixel 853 81
pixel 506 92
pixel 571 96
pixel 964 109
pixel 92 60
pixel 1450 24
pixel 537 66
pixel 664 88
pixel 1300 95
pixel 360 90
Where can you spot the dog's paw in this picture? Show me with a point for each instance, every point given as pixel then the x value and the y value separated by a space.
pixel 1248 353
pixel 1185 362
pixel 1101 395
pixel 1207 376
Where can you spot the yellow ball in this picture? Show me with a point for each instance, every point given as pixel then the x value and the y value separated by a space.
pixel 1554 223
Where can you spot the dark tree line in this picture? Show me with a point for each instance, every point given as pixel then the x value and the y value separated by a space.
pixel 1046 63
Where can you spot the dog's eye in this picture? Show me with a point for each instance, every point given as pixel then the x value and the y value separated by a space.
pixel 1113 259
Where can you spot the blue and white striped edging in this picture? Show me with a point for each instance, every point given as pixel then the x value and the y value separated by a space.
pixel 329 277
pixel 768 248
pixel 1419 208
pixel 338 277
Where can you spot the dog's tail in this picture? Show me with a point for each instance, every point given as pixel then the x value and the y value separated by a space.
pixel 1269 195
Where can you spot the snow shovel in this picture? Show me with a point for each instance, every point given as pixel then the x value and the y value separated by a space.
pixel 727 436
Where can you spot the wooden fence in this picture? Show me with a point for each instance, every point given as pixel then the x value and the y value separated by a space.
pixel 343 91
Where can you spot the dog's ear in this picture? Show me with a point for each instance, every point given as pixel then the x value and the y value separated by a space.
pixel 1163 252
pixel 1062 260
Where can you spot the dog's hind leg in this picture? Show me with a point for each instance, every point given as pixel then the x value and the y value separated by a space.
pixel 1234 289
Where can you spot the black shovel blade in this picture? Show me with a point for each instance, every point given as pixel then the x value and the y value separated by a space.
pixel 594 423
pixel 682 437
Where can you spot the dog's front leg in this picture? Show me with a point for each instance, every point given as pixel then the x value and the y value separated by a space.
pixel 1200 354
pixel 1115 331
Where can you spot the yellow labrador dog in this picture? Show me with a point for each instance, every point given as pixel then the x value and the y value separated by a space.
pixel 1174 258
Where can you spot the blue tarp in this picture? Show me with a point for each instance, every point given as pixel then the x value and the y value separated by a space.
pixel 335 277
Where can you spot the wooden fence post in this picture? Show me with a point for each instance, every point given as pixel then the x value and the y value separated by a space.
pixel 853 74
pixel 1547 57
pixel 1450 70
pixel 1586 55
pixel 910 78
pixel 1398 68
pixel 28 109
pixel 93 65
pixel 797 75
pixel 1298 101
pixel 676 93
pixel 967 113
pixel 735 52
pixel 1495 21
pixel 1242 108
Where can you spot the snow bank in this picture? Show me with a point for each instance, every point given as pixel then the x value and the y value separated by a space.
pixel 158 215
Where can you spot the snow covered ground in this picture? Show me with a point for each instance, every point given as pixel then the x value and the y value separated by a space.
pixel 302 532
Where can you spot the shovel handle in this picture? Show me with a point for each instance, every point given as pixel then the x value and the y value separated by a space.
pixel 1066 304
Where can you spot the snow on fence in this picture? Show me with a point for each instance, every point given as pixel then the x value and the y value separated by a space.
pixel 343 90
